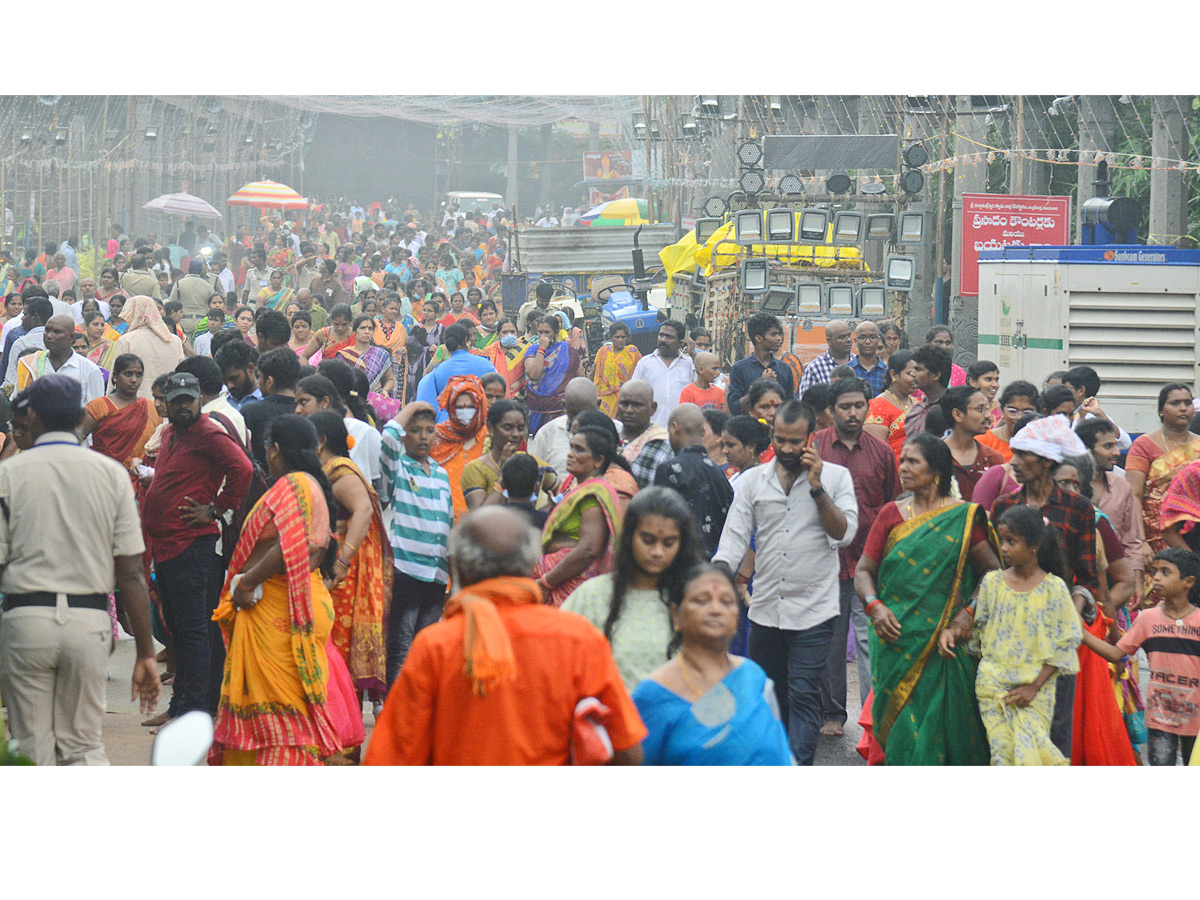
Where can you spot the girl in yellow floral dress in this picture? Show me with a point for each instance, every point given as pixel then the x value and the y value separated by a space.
pixel 1026 633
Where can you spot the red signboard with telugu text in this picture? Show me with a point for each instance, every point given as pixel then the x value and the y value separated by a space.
pixel 996 221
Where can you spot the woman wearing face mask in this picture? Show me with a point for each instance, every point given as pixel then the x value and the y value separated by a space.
pixel 659 542
pixel 549 365
pixel 507 354
pixel 461 437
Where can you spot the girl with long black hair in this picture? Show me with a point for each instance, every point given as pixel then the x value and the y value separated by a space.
pixel 658 543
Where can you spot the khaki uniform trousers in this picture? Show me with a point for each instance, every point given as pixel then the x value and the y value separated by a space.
pixel 54 681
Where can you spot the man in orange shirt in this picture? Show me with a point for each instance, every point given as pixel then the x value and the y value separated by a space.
pixel 496 682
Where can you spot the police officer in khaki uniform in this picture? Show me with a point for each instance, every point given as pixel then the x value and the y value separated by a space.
pixel 69 534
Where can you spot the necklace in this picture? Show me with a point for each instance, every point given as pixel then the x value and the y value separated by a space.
pixel 688 681
pixel 901 405
pixel 1167 446
pixel 912 506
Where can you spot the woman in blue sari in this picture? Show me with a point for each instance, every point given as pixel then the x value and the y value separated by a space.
pixel 549 365
pixel 706 707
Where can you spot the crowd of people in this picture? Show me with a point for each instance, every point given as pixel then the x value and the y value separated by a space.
pixel 335 475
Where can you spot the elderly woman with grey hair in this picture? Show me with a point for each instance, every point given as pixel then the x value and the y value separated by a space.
pixel 1075 474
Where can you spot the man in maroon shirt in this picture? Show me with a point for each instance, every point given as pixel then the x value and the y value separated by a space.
pixel 180 516
pixel 872 466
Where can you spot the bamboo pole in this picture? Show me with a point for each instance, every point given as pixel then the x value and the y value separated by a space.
pixel 103 233
pixel 66 229
pixel 3 216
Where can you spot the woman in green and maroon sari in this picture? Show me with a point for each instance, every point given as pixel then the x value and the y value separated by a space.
pixel 581 532
pixel 922 561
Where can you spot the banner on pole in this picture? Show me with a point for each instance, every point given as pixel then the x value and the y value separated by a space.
pixel 996 221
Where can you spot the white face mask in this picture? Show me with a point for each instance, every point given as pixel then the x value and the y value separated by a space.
pixel 465 415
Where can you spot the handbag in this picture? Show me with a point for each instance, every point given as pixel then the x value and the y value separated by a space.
pixel 385 407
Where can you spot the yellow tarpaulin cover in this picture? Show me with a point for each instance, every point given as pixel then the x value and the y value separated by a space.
pixel 721 252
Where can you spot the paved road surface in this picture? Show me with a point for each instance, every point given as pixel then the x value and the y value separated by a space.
pixel 128 743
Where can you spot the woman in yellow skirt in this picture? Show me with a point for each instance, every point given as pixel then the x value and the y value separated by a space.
pixel 277 707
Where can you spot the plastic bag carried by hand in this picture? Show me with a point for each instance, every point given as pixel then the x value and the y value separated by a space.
pixel 590 741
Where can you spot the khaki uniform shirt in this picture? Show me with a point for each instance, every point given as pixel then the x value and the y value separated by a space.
pixel 65 513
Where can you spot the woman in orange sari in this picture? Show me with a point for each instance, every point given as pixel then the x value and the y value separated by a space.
pixel 121 424
pixel 885 417
pixel 334 337
pixel 507 354
pixel 392 336
pixel 1158 456
pixel 614 366
pixel 461 437
pixel 361 586
pixel 282 702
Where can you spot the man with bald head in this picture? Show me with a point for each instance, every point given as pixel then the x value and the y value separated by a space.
pixel 703 391
pixel 530 665
pixel 644 445
pixel 552 440
pixel 840 339
pixel 59 357
pixel 694 475
pixel 866 362
pixel 307 303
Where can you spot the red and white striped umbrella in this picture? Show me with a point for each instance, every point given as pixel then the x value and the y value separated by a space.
pixel 268 195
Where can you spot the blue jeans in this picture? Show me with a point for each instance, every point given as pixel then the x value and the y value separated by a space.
pixel 1162 747
pixel 795 661
pixel 833 684
pixel 184 591
pixel 416 604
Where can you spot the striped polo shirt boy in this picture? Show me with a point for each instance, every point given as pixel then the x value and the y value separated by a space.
pixel 422 510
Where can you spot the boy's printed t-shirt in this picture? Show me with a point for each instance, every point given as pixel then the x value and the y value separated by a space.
pixel 711 398
pixel 1173 698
